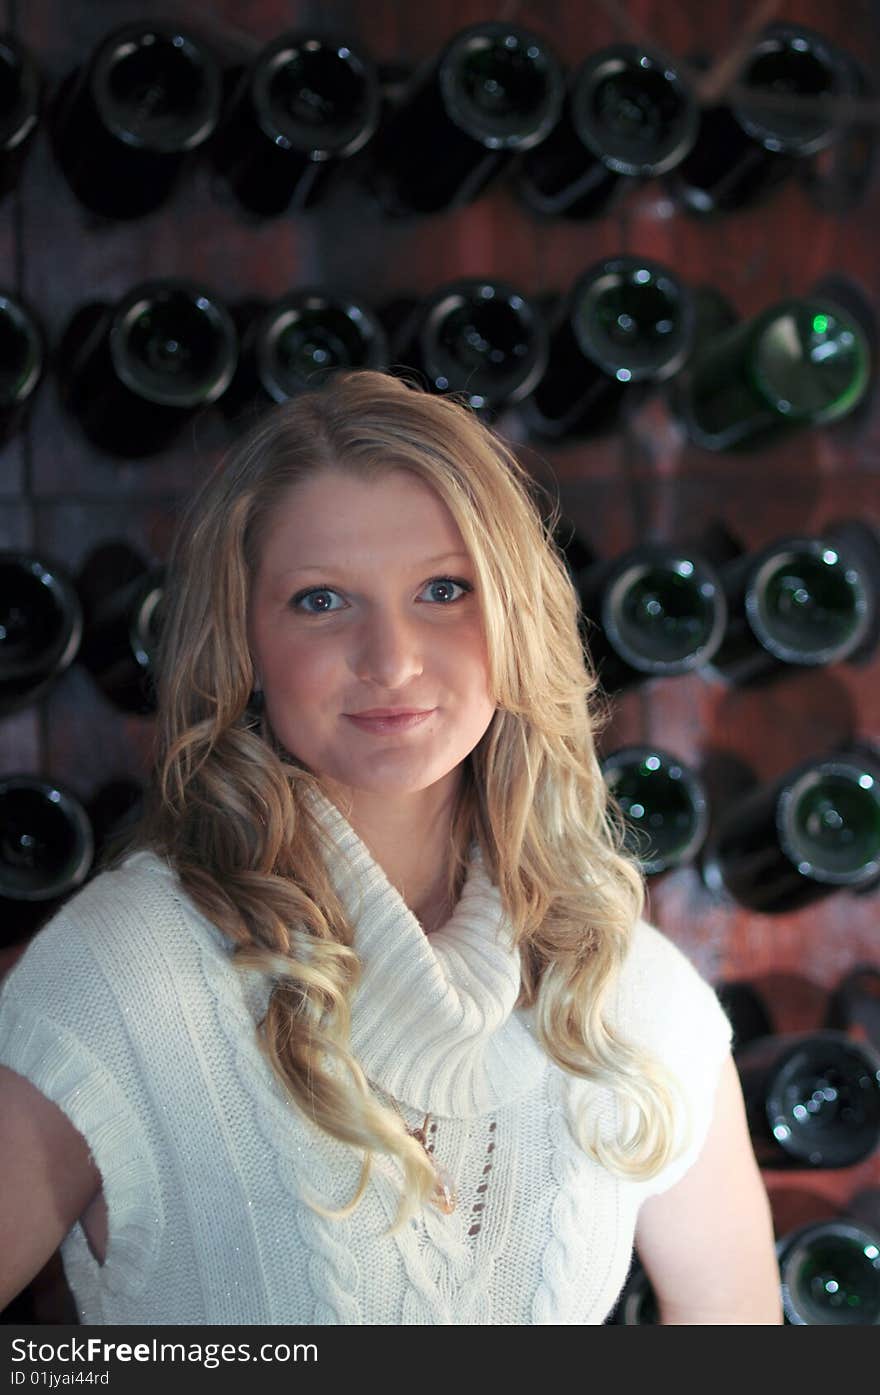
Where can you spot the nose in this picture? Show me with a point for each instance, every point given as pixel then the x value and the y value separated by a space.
pixel 389 651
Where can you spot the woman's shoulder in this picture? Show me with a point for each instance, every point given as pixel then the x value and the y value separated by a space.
pixel 134 913
pixel 653 957
pixel 663 996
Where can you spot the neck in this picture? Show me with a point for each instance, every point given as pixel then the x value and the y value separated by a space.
pixel 410 841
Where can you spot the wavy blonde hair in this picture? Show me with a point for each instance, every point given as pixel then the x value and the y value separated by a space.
pixel 227 808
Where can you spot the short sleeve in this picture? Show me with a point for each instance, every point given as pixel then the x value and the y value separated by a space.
pixel 61 1029
pixel 669 1009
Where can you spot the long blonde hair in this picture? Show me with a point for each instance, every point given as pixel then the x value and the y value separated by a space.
pixel 228 809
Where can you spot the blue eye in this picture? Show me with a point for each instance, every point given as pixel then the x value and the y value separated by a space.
pixel 301 596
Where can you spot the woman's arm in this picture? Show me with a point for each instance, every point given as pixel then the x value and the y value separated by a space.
pixel 707 1243
pixel 47 1179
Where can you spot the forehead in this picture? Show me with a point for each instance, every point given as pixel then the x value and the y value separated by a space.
pixel 336 511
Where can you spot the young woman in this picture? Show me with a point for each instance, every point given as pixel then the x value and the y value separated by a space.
pixel 368 1027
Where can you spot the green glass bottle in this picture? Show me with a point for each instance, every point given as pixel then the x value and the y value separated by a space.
pixel 812 1099
pixel 782 114
pixel 801 362
pixel 801 601
pixel 663 803
pixel 813 832
pixel 830 1274
pixel 625 326
pixel 297 340
pixel 46 851
pixel 483 339
pixel 628 116
pixel 136 372
pixel 492 92
pixel 656 610
pixel 41 627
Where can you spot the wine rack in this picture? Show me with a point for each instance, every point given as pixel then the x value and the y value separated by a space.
pixel 62 497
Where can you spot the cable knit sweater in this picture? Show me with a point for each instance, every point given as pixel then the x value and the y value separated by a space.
pixel 126 1011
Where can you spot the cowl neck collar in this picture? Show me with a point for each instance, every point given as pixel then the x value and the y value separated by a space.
pixel 433 1018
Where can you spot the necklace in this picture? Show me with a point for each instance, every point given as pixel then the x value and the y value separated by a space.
pixel 444 1196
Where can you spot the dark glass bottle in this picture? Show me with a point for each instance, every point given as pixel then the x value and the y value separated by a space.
pixel 480 338
pixel 578 555
pixel 46 851
pixel 830 1273
pixel 493 91
pixel 790 843
pixel 746 1009
pixel 125 124
pixel 801 362
pixel 654 611
pixel 854 1005
pixel 812 1099
pixel 628 115
pixel 625 325
pixel 121 598
pixel 303 107
pixel 798 602
pixel 637 1304
pixel 40 627
pixel 837 178
pixel 114 812
pixel 134 373
pixel 745 149
pixel 22 363
pixel 663 802
pixel 289 344
pixel 21 95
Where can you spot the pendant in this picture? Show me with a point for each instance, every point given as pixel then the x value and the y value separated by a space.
pixel 444 1196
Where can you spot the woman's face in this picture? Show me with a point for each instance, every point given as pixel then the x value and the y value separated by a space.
pixel 365 597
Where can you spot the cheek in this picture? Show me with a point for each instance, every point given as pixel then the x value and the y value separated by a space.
pixel 300 668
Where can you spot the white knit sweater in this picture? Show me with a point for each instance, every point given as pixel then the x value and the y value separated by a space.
pixel 126 1011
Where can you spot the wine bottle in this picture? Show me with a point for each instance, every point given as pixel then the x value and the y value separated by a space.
pixel 783 113
pixel 21 96
pixel 127 122
pixel 790 843
pixel 22 363
pixel 830 1273
pixel 746 1009
pixel 134 373
pixel 625 325
pixel 637 1304
pixel 854 1005
pixel 812 1099
pixel 837 178
pixel 46 851
pixel 797 602
pixel 628 115
pixel 304 335
pixel 654 611
pixel 121 598
pixel 304 106
pixel 482 339
pixel 40 627
pixel 663 802
pixel 493 91
pixel 114 812
pixel 801 362
pixel 576 552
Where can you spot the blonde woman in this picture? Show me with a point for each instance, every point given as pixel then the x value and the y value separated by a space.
pixel 368 1026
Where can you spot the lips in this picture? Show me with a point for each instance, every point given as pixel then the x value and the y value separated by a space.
pixel 372 712
pixel 399 722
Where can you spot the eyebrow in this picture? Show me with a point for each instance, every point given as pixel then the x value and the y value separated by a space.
pixel 340 569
